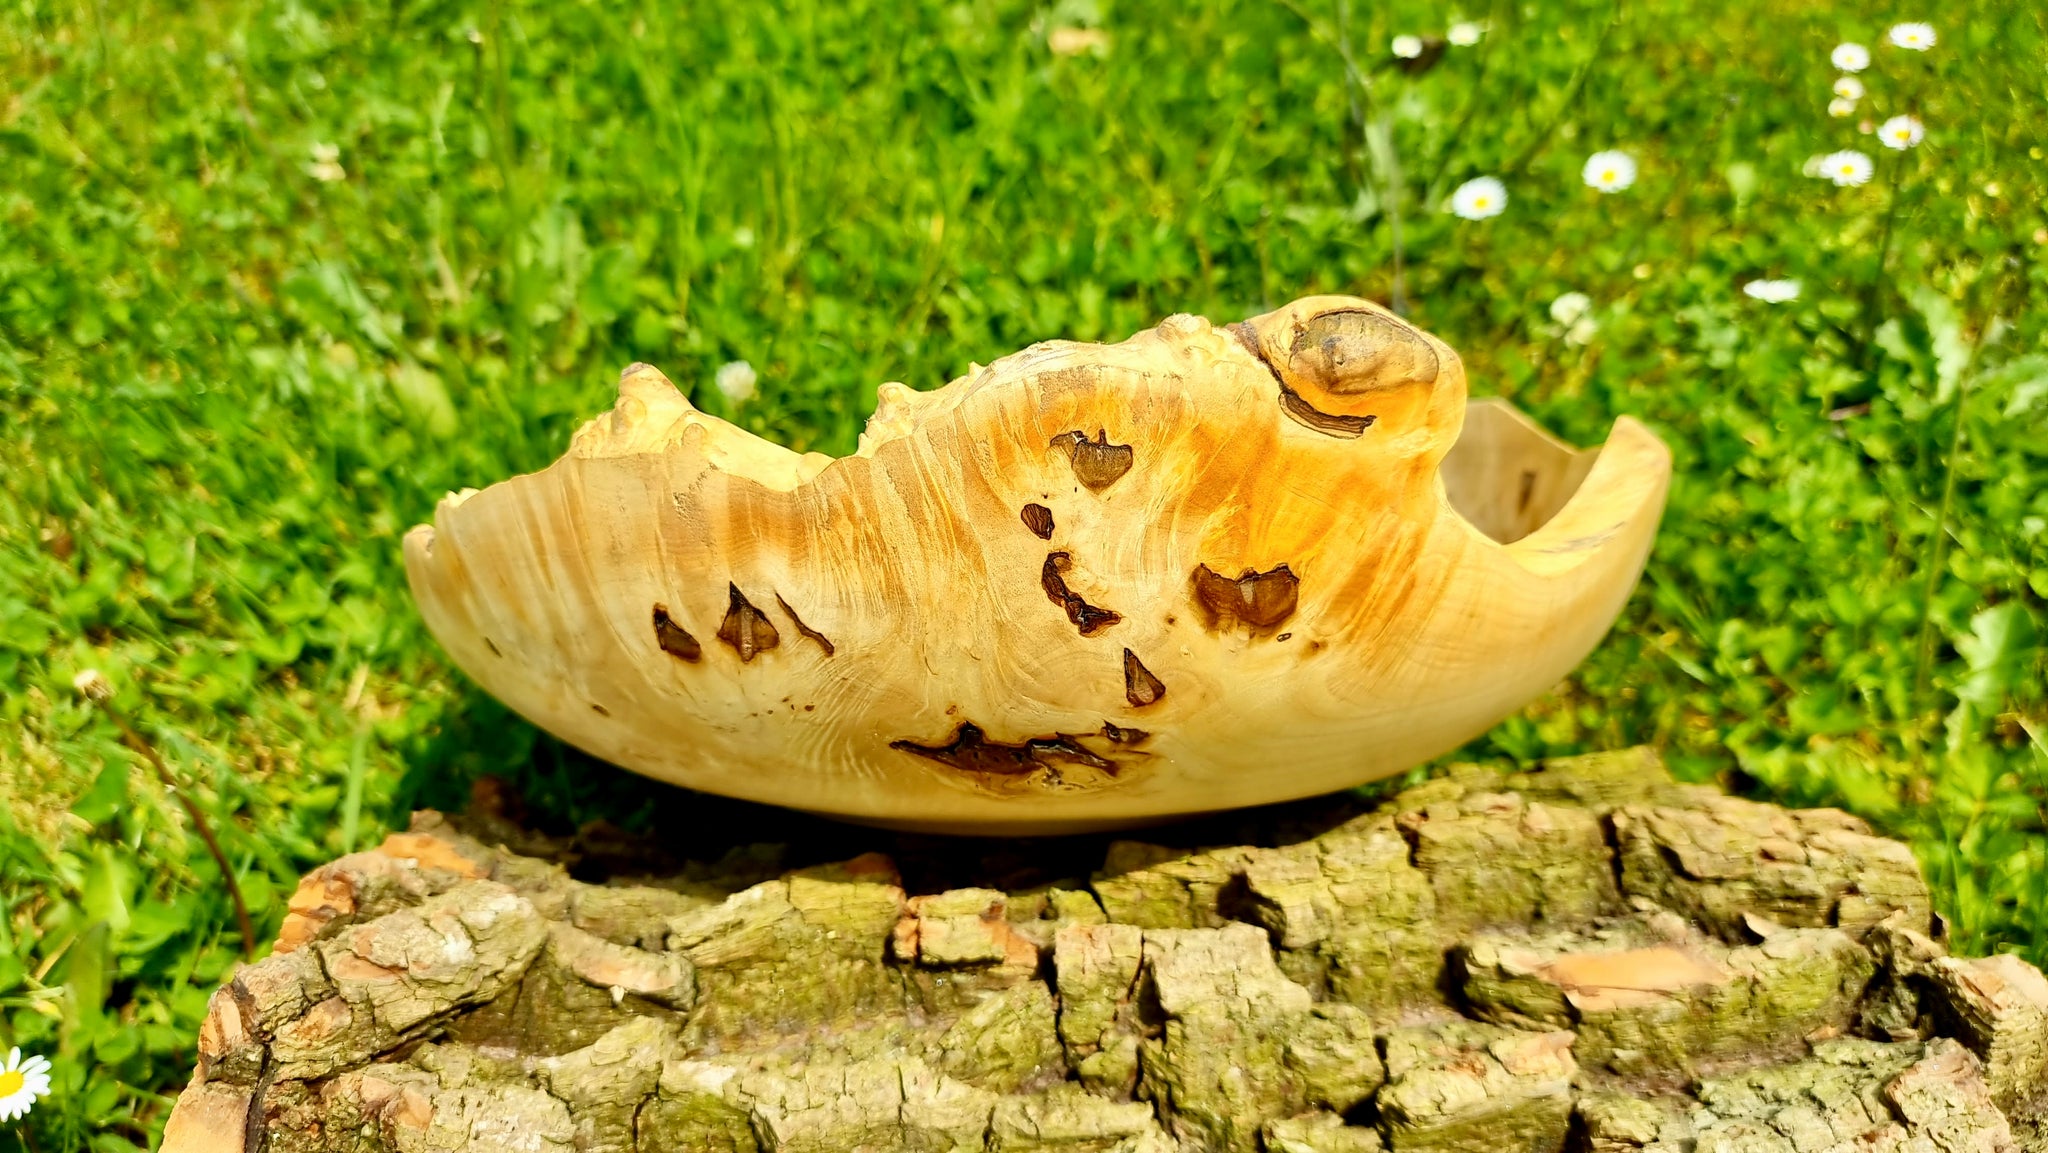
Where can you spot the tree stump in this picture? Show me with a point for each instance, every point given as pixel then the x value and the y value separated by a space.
pixel 1586 956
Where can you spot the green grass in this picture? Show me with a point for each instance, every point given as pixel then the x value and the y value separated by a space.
pixel 228 385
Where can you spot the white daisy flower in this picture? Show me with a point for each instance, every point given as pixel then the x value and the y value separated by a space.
pixel 1772 291
pixel 1839 107
pixel 1901 132
pixel 1569 307
pixel 1075 41
pixel 1479 198
pixel 1918 37
pixel 1609 171
pixel 1850 57
pixel 1847 168
pixel 1407 47
pixel 22 1084
pixel 736 380
pixel 1465 33
pixel 326 166
pixel 1848 88
pixel 1573 312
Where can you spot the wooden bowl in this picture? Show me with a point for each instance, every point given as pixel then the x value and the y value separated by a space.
pixel 1083 587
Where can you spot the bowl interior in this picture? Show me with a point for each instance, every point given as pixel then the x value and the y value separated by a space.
pixel 1506 475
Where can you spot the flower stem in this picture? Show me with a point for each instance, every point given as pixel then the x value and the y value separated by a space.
pixel 1571 94
pixel 1923 661
pixel 1400 294
pixel 1876 286
pixel 1358 90
pixel 1433 188
pixel 499 126
pixel 1387 163
pixel 135 740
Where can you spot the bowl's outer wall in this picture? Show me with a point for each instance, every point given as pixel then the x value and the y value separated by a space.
pixel 914 561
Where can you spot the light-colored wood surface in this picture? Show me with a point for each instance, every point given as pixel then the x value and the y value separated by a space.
pixel 1272 568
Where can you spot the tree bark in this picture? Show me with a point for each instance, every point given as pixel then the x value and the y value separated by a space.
pixel 1586 956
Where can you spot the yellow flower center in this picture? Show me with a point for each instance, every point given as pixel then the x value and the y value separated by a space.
pixel 11 1082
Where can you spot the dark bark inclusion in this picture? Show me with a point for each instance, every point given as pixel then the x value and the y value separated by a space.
pixel 674 639
pixel 746 628
pixel 804 630
pixel 1038 519
pixel 1141 688
pixel 1086 617
pixel 1097 463
pixel 1308 415
pixel 1259 599
pixel 970 751
pixel 1297 409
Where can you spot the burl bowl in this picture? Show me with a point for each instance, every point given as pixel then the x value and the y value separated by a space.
pixel 1085 586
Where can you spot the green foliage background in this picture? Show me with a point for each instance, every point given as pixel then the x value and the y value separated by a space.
pixel 227 385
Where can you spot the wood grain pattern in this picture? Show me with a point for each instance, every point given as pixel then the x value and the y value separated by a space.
pixel 1437 584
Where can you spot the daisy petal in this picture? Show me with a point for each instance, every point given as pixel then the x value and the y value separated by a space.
pixel 1479 198
pixel 1915 36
